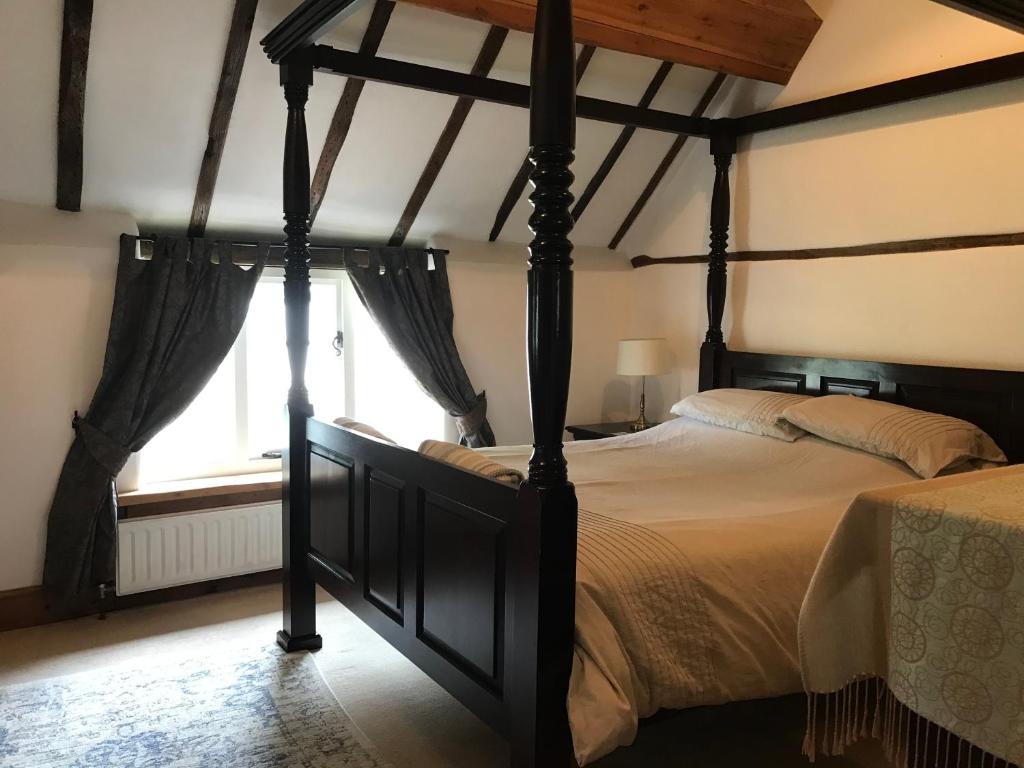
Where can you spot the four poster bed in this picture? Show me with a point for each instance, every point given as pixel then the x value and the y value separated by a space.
pixel 474 580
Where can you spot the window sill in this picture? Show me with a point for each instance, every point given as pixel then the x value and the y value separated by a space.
pixel 196 495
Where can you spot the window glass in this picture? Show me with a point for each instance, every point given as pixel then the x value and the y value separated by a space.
pixel 241 414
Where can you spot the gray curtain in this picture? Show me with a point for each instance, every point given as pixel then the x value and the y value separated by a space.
pixel 174 320
pixel 412 304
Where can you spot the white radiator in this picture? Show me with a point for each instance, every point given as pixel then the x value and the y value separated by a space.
pixel 166 551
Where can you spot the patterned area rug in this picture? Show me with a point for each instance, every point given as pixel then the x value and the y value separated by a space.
pixel 263 709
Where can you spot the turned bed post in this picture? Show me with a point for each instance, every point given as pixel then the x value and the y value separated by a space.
pixel 544 738
pixel 723 147
pixel 299 632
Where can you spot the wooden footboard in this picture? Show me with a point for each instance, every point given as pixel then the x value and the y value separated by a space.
pixel 440 562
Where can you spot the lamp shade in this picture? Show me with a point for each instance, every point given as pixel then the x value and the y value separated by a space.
pixel 643 357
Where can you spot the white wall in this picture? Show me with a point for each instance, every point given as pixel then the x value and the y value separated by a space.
pixel 489 292
pixel 56 285
pixel 944 166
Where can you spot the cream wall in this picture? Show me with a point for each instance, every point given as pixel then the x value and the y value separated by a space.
pixel 488 283
pixel 56 285
pixel 951 165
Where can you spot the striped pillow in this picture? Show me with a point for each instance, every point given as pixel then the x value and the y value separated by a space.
pixel 746 410
pixel 926 442
pixel 468 459
pixel 358 426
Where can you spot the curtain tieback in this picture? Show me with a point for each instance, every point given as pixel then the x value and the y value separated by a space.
pixel 107 452
pixel 471 422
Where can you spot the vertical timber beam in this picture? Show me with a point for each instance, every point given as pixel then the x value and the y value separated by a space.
pixel 299 632
pixel 723 148
pixel 545 739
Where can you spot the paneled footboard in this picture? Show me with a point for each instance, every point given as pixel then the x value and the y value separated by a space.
pixel 440 562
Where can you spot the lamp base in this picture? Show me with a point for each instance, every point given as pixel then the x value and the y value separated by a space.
pixel 640 424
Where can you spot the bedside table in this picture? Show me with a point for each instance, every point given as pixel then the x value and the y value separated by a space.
pixel 598 431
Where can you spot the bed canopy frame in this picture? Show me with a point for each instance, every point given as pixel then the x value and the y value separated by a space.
pixel 473 580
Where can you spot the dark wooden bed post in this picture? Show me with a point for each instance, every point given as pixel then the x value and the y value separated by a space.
pixel 543 737
pixel 723 147
pixel 299 632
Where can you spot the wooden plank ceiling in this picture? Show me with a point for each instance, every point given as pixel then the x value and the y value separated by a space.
pixel 760 39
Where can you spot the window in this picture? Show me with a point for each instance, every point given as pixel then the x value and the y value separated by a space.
pixel 240 416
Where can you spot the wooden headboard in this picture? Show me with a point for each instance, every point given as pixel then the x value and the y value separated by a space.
pixel 993 400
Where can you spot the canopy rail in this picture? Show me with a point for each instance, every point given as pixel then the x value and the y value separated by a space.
pixel 943 81
pixel 438 80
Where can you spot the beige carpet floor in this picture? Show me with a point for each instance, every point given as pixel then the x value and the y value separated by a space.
pixel 412 721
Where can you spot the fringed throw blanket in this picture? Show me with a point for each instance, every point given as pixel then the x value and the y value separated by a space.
pixel 913 628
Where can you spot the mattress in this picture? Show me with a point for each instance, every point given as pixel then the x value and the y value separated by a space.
pixel 696 547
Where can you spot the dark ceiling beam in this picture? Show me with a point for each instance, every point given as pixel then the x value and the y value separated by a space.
pixel 437 80
pixel 230 73
pixel 987 72
pixel 74 60
pixel 620 143
pixel 897 247
pixel 305 25
pixel 522 178
pixel 666 163
pixel 460 112
pixel 346 109
pixel 1008 13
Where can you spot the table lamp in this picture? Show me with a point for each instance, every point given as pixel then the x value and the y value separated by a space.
pixel 643 357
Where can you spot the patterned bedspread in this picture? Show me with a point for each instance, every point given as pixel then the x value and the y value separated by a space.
pixel 922 586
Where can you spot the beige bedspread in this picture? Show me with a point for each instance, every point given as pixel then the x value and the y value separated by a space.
pixel 696 547
pixel 917 607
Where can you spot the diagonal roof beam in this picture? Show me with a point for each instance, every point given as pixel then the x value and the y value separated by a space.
pixel 620 143
pixel 460 112
pixel 346 109
pixel 522 178
pixel 74 59
pixel 223 105
pixel 666 163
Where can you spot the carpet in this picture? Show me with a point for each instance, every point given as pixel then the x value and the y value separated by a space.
pixel 261 708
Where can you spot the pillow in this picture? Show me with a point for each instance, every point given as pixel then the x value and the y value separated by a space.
pixel 926 442
pixel 366 429
pixel 746 410
pixel 468 459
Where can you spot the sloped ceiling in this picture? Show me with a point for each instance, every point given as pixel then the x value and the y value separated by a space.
pixel 152 78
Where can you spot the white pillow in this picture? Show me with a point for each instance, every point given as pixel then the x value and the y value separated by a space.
pixel 926 442
pixel 747 410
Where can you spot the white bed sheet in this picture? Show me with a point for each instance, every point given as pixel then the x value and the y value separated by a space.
pixel 696 547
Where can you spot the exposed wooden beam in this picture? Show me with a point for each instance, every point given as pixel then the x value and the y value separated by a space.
pixel 620 143
pixel 346 109
pixel 74 60
pixel 666 163
pixel 927 245
pixel 305 25
pixel 944 81
pixel 763 40
pixel 437 80
pixel 223 105
pixel 1008 13
pixel 522 178
pixel 481 68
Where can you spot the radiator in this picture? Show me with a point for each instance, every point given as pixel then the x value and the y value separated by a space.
pixel 170 550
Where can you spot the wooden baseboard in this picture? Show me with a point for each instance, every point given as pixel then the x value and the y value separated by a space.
pixel 32 607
